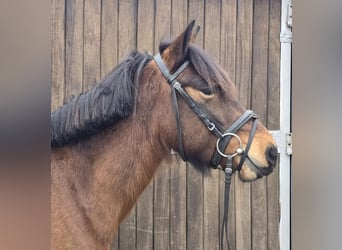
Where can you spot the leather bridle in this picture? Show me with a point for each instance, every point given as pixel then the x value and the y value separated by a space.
pixel 224 136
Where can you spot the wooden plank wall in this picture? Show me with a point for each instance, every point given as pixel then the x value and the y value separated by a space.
pixel 181 209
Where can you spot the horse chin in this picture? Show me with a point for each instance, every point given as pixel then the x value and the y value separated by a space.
pixel 246 174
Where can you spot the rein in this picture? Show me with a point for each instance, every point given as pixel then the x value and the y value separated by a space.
pixel 224 136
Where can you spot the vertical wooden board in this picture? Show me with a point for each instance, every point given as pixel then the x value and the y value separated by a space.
pixel 109 36
pixel 259 105
pixel 127 27
pixel 243 83
pixel 145 219
pixel 211 183
pixel 127 43
pixel 145 25
pixel 228 37
pixel 178 205
pixel 115 242
pixel 161 220
pixel 145 41
pixel 227 61
pixel 242 215
pixel 194 210
pixel 162 22
pixel 273 212
pixel 179 17
pixel 178 167
pixel 74 49
pixel 260 59
pixel 273 209
pixel 58 53
pixel 273 97
pixel 244 50
pixel 161 214
pixel 196 12
pixel 127 231
pixel 92 40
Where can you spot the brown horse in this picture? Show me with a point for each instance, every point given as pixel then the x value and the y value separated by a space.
pixel 108 142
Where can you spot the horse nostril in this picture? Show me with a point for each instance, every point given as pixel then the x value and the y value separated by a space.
pixel 272 155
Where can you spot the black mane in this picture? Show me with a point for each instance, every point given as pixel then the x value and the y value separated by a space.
pixel 109 101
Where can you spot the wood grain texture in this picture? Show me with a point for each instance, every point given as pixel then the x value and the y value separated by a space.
pixel 259 105
pixel 228 37
pixel 74 49
pixel 144 224
pixel 178 205
pixel 194 211
pixel 127 27
pixel 109 35
pixel 92 43
pixel 243 83
pixel 145 26
pixel 161 218
pixel 273 69
pixel 115 243
pixel 58 53
pixel 162 25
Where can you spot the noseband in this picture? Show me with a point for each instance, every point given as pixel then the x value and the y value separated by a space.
pixel 224 136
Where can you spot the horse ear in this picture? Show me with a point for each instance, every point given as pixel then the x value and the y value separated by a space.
pixel 175 53
pixel 194 34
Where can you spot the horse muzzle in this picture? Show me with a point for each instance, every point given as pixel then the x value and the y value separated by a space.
pixel 271 155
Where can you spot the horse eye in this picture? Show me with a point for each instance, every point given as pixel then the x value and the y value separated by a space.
pixel 208 91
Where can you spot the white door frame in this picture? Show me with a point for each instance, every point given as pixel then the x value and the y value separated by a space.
pixel 284 135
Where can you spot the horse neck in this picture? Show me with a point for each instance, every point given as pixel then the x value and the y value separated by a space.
pixel 130 158
pixel 123 160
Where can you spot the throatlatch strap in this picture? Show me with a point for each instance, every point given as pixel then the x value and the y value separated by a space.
pixel 171 79
pixel 179 127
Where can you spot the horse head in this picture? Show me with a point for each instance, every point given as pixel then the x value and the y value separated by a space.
pixel 207 86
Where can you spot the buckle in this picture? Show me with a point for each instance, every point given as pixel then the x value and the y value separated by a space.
pixel 211 126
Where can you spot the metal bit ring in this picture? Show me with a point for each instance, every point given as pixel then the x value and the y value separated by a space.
pixel 238 151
